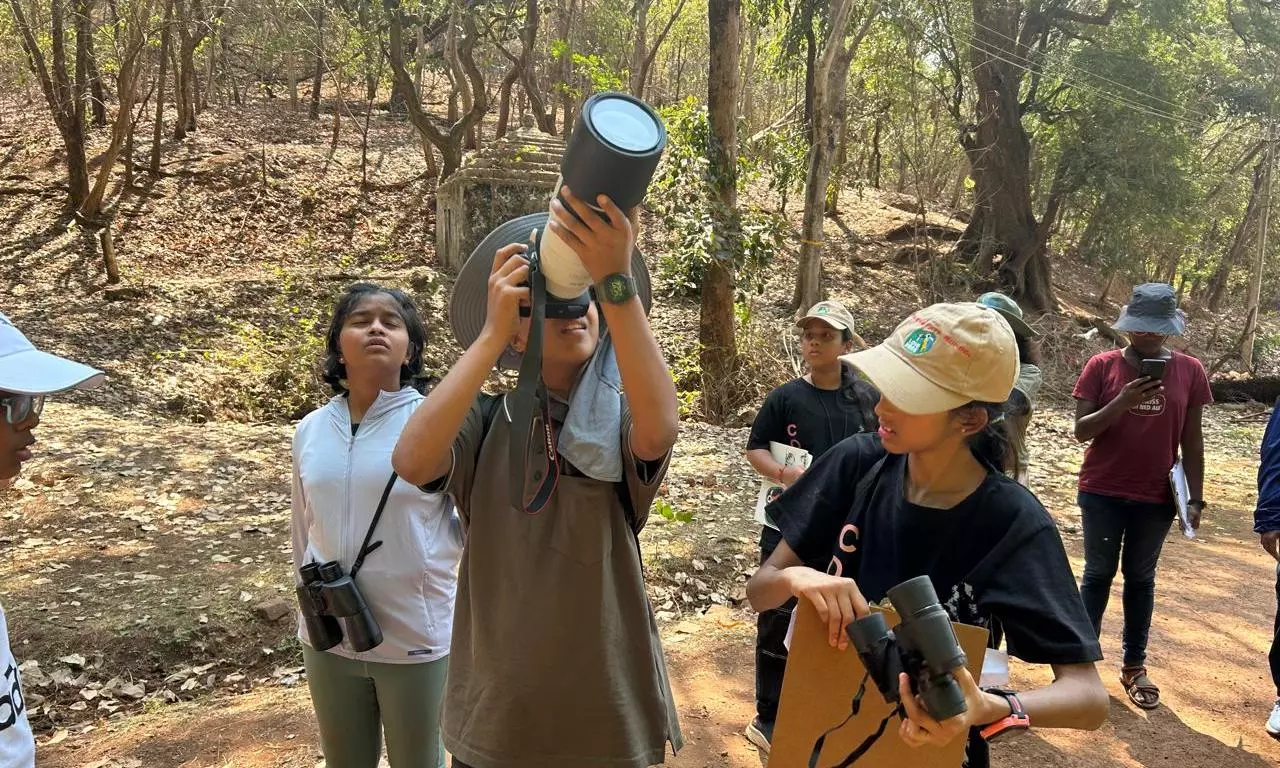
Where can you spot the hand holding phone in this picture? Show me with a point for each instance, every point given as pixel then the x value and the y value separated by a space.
pixel 1139 391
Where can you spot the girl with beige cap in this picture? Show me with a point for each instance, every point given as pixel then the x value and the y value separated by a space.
pixel 926 495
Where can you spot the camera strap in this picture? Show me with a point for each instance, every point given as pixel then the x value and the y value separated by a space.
pixel 532 447
pixel 854 708
pixel 366 548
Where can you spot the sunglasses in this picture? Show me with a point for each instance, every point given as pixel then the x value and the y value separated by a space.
pixel 19 408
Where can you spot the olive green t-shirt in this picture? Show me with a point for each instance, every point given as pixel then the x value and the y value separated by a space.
pixel 556 660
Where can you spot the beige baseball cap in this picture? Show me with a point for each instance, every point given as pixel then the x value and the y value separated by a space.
pixel 942 357
pixel 832 313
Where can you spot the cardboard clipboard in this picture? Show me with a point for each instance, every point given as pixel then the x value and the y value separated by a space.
pixel 817 691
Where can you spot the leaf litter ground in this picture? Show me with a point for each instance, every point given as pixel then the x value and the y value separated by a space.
pixel 148 579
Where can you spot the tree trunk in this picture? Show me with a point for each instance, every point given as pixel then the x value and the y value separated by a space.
pixel 876 157
pixel 639 48
pixel 419 56
pixel 1216 290
pixel 1106 288
pixel 162 69
pixel 109 254
pixel 716 323
pixel 313 112
pixel 504 101
pixel 519 65
pixel 446 138
pixel 84 42
pixel 97 93
pixel 193 25
pixel 461 99
pixel 1085 249
pixel 291 74
pixel 210 91
pixel 372 56
pixel 746 99
pixel 528 34
pixel 1255 286
pixel 832 206
pixel 565 70
pixel 999 152
pixel 831 82
pixel 229 73
pixel 127 80
pixel 810 66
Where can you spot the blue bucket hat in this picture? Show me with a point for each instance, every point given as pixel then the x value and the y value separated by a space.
pixel 1153 308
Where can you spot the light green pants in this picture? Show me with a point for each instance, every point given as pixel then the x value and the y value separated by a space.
pixel 357 701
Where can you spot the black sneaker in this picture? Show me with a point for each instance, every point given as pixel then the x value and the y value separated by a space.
pixel 760 733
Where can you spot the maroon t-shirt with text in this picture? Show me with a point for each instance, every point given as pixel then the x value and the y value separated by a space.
pixel 1132 458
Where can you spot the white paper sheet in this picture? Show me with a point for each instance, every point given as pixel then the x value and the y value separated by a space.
pixel 787 456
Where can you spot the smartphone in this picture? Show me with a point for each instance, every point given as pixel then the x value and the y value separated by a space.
pixel 1152 368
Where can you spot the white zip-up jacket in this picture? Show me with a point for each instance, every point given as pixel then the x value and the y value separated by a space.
pixel 410 582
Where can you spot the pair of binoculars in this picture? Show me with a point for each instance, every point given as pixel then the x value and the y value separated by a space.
pixel 923 645
pixel 333 608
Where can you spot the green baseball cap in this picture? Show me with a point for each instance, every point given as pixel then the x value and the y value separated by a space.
pixel 1011 311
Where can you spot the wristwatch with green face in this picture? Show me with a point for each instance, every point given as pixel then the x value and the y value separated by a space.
pixel 617 288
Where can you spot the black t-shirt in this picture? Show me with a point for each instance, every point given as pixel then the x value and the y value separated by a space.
pixel 803 416
pixel 994 559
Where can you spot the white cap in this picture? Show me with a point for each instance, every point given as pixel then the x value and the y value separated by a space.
pixel 25 370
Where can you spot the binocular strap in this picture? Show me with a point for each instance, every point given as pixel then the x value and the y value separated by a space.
pixel 366 548
pixel 532 436
pixel 854 708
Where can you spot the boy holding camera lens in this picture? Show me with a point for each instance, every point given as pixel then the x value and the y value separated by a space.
pixel 1138 408
pixel 814 412
pixel 27 375
pixel 376 557
pixel 556 657
pixel 927 496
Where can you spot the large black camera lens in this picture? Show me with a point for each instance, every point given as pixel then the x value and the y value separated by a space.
pixel 614 150
pixel 626 125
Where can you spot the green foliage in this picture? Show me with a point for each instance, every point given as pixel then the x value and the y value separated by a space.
pixel 599 75
pixel 686 373
pixel 669 513
pixel 270 370
pixel 783 159
pixel 682 198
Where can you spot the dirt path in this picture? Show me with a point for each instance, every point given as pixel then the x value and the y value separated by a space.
pixel 1208 649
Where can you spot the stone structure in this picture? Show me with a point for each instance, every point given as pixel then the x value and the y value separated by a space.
pixel 510 177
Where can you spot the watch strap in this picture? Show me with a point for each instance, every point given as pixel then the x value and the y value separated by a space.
pixel 1016 720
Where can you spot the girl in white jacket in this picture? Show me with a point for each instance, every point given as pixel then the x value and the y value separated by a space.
pixel 341 466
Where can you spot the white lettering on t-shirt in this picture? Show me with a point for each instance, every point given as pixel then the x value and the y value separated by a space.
pixel 17 745
pixel 1151 407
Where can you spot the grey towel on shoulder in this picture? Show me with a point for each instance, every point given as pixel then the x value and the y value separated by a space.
pixel 589 438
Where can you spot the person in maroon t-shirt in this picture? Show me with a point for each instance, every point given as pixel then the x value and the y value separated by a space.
pixel 1137 424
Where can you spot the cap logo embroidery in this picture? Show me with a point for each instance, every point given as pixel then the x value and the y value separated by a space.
pixel 919 341
pixel 823 310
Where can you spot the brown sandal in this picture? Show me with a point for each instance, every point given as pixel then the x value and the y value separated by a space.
pixel 1142 692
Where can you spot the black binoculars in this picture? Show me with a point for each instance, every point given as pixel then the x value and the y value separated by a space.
pixel 923 645
pixel 332 607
